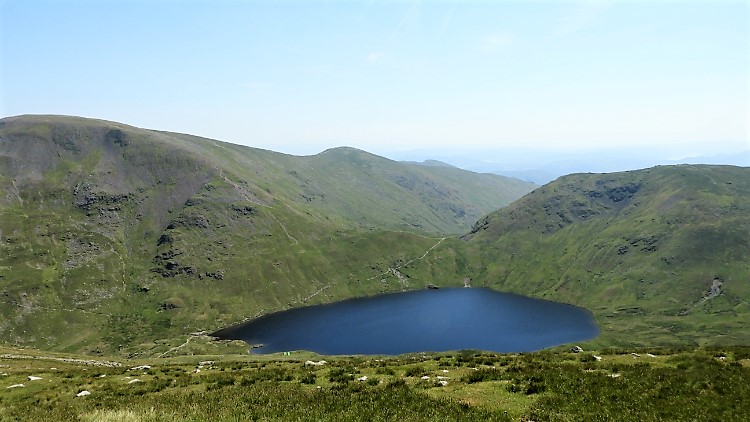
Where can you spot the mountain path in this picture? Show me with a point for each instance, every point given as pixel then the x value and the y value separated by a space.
pixel 316 293
pixel 92 362
pixel 394 270
pixel 176 347
pixel 283 227
pixel 18 194
pixel 241 190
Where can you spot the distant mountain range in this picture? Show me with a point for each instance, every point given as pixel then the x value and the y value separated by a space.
pixel 543 167
pixel 114 238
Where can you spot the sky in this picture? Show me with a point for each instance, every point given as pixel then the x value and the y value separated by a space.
pixel 391 76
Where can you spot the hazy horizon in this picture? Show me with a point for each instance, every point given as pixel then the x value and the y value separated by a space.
pixel 562 78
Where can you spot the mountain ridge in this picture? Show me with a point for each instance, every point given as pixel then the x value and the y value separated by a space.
pixel 662 250
pixel 121 235
pixel 119 240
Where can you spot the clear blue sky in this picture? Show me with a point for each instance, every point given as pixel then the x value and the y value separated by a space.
pixel 303 76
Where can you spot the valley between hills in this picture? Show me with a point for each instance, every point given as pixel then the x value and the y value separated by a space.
pixel 122 248
pixel 123 241
pixel 117 239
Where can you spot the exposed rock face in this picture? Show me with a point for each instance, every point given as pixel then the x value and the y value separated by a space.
pixel 169 266
pixel 714 291
pixel 614 194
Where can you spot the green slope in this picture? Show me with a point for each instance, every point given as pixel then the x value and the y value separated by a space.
pixel 659 255
pixel 118 239
pixel 112 235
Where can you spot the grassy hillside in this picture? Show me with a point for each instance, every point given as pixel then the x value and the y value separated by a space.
pixel 120 240
pixel 609 385
pixel 659 255
pixel 111 235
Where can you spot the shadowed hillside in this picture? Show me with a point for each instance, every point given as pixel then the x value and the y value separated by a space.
pixel 112 235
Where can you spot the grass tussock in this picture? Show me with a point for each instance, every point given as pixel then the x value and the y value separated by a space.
pixel 658 384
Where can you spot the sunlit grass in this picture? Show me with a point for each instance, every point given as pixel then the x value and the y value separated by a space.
pixel 648 384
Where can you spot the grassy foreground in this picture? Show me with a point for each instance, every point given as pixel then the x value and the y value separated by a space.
pixel 659 384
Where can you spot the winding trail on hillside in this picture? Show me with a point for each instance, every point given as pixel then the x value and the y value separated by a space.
pixel 391 270
pixel 176 347
pixel 316 293
pixel 241 190
pixel 92 362
pixel 283 227
pixel 15 190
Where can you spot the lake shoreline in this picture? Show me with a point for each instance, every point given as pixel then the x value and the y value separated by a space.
pixel 419 320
